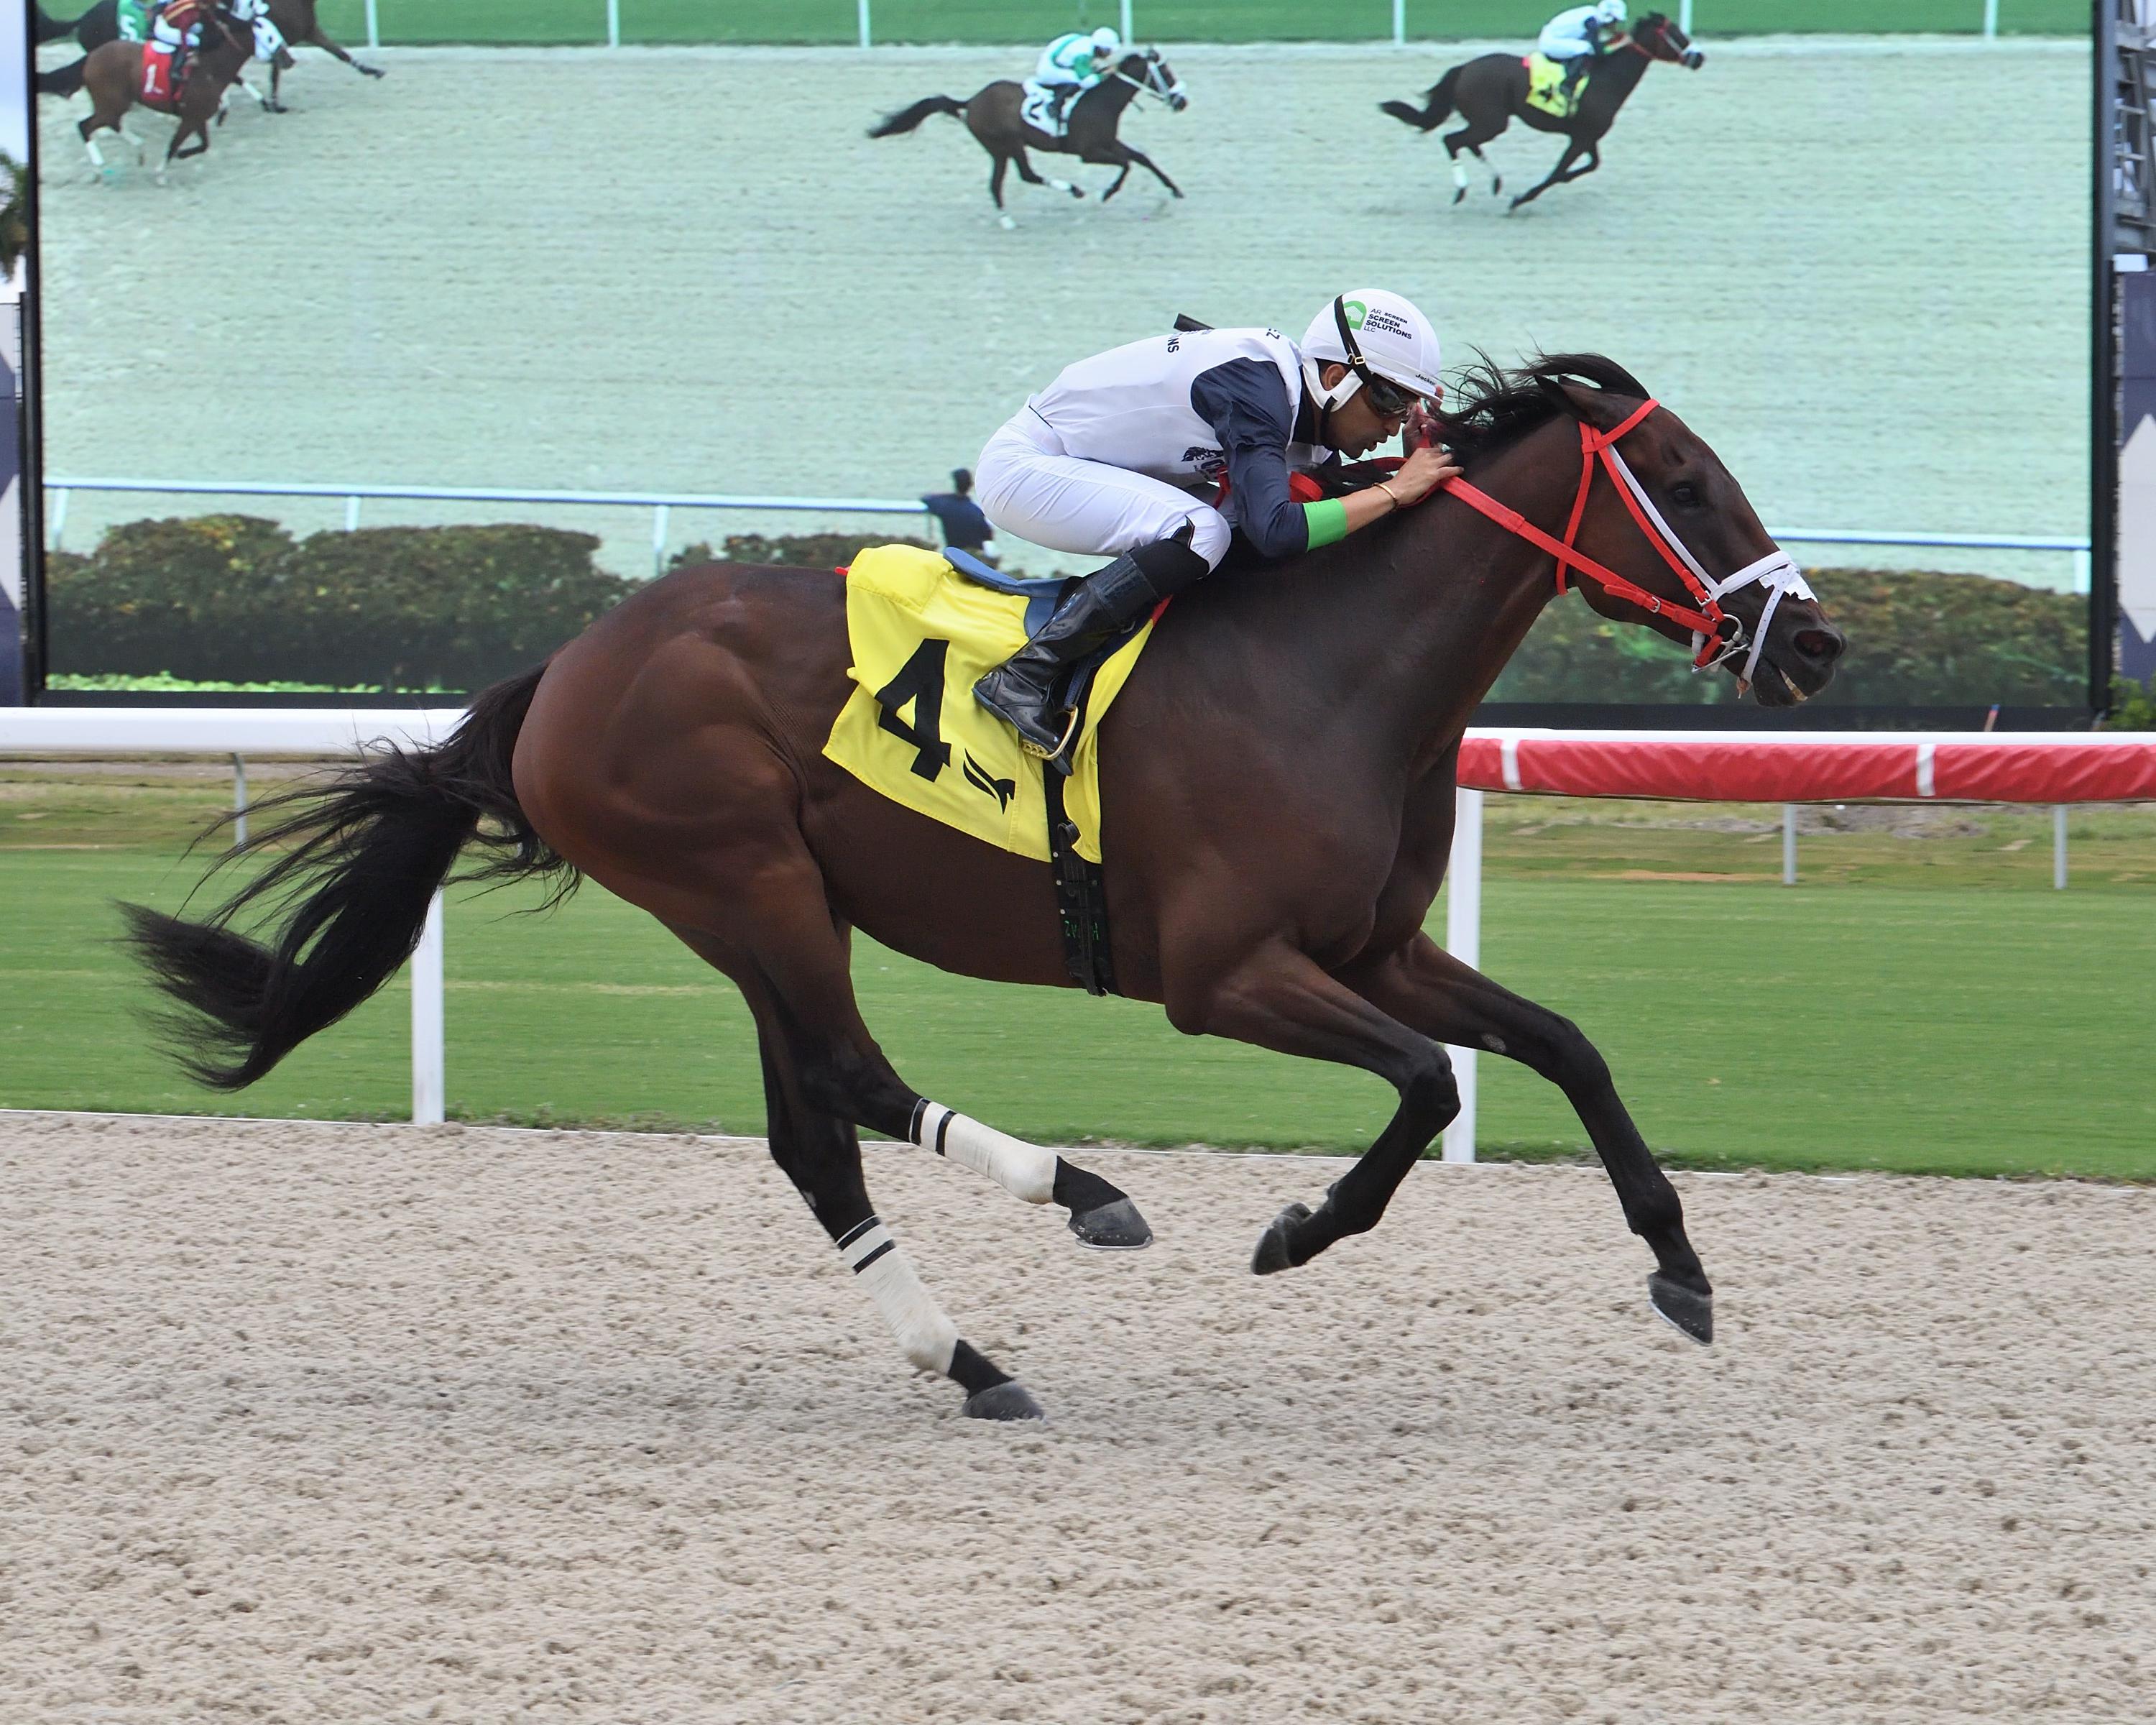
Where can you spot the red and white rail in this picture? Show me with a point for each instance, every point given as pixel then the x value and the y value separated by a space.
pixel 1789 768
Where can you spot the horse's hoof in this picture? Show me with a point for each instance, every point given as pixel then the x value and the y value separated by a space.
pixel 1681 1308
pixel 1007 1400
pixel 1496 185
pixel 1005 222
pixel 1272 1254
pixel 1115 1227
pixel 1461 196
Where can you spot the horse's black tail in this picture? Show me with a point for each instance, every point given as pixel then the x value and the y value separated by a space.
pixel 1432 116
pixel 361 859
pixel 51 30
pixel 906 119
pixel 61 80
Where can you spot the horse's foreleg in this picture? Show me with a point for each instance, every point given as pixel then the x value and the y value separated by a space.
pixel 323 42
pixel 1279 998
pixel 1026 172
pixel 1557 176
pixel 1593 161
pixel 1146 163
pixel 1424 986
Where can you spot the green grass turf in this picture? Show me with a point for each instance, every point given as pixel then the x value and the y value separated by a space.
pixel 1923 1004
pixel 1034 21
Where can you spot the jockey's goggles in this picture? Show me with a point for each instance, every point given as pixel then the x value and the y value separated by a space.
pixel 1389 399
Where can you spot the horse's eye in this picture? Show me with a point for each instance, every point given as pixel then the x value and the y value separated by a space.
pixel 1686 493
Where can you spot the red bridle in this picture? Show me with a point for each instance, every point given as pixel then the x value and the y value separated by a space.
pixel 1708 621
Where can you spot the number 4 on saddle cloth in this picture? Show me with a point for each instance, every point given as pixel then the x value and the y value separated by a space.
pixel 1546 87
pixel 922 634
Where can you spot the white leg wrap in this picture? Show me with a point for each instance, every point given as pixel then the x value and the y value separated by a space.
pixel 1459 173
pixel 924 1330
pixel 1023 1170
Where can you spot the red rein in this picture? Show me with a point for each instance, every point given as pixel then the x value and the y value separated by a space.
pixel 1707 620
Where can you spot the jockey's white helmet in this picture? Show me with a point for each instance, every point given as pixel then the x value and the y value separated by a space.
pixel 1107 41
pixel 1375 334
pixel 1610 12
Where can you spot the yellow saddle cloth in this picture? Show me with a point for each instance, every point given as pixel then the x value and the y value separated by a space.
pixel 922 635
pixel 1545 79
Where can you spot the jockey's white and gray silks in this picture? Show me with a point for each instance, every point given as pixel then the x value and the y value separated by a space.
pixel 1101 461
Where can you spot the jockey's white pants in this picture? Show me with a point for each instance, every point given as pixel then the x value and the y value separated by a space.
pixel 1028 486
pixel 1562 45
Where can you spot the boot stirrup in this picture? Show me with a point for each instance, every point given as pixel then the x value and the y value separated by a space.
pixel 1070 735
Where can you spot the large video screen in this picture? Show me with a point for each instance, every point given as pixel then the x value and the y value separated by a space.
pixel 433 342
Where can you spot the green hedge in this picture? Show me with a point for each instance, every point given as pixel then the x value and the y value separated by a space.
pixel 235 598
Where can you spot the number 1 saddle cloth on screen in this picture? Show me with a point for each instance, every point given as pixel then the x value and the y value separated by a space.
pixel 921 634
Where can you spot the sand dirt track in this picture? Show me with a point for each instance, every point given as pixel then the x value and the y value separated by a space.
pixel 350 1423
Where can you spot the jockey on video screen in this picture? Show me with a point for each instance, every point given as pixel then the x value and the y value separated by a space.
pixel 1075 63
pixel 1572 38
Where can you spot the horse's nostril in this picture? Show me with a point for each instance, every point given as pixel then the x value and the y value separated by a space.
pixel 1822 646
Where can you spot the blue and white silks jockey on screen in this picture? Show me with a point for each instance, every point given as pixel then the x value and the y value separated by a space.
pixel 1573 38
pixel 1119 456
pixel 1068 66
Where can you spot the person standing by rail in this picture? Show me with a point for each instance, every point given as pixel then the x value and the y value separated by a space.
pixel 965 528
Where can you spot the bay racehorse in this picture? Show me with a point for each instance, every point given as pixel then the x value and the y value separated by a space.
pixel 295 19
pixel 233 32
pixel 1277 796
pixel 994 117
pixel 1491 91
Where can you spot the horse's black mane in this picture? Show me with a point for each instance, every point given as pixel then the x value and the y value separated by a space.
pixel 1494 408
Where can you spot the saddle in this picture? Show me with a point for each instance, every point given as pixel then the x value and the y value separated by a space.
pixel 164 75
pixel 1046 108
pixel 1546 87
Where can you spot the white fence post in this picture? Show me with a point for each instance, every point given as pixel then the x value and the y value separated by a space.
pixel 352 515
pixel 1130 30
pixel 1463 939
pixel 2080 571
pixel 1399 22
pixel 613 23
pixel 1990 20
pixel 373 26
pixel 56 518
pixel 1684 17
pixel 238 802
pixel 1788 844
pixel 659 539
pixel 427 1088
pixel 865 23
pixel 2059 847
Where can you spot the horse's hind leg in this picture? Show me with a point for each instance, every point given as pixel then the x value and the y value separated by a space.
pixel 1424 986
pixel 821 1154
pixel 1468 138
pixel 787 944
pixel 995 188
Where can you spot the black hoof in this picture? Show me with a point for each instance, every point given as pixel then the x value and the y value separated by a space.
pixel 1496 185
pixel 1272 1254
pixel 1681 1308
pixel 1007 1400
pixel 1461 196
pixel 1115 1227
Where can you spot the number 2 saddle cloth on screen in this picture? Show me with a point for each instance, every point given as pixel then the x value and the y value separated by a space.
pixel 921 634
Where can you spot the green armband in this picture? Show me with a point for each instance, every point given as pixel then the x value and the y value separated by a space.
pixel 1327 520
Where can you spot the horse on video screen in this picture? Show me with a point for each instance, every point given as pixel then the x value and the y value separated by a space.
pixel 1490 92
pixel 111 76
pixel 295 19
pixel 993 115
pixel 1278 787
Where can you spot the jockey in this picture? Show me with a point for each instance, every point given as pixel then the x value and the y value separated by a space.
pixel 133 19
pixel 1111 458
pixel 176 29
pixel 1075 63
pixel 1572 38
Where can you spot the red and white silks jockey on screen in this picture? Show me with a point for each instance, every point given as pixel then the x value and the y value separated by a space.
pixel 175 34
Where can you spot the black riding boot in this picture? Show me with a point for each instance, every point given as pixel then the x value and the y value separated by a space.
pixel 1026 690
